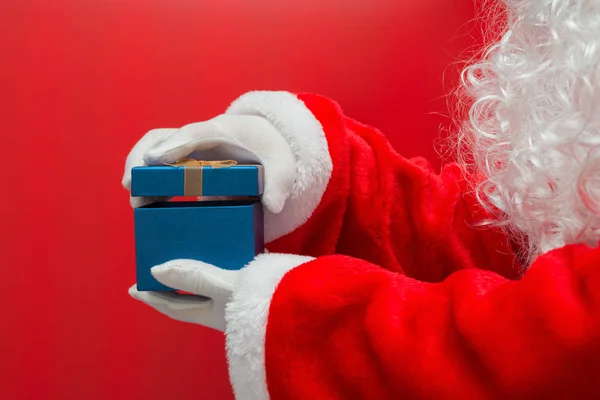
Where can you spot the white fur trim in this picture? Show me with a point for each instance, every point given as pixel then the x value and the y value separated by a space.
pixel 309 144
pixel 246 315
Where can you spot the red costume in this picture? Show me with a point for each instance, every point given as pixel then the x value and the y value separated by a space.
pixel 406 298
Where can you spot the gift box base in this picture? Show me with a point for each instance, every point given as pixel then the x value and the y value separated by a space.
pixel 227 234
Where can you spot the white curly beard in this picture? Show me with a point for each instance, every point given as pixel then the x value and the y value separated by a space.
pixel 534 124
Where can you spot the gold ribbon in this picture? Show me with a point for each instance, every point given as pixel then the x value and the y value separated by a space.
pixel 192 182
pixel 191 162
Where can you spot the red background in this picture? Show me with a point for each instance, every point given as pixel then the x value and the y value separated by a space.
pixel 81 81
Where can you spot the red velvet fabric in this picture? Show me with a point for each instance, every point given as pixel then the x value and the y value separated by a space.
pixel 409 300
pixel 393 211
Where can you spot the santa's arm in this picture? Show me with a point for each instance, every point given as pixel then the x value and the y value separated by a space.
pixel 354 195
pixel 340 328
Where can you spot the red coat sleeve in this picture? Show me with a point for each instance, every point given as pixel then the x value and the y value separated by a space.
pixel 337 327
pixel 370 202
pixel 342 328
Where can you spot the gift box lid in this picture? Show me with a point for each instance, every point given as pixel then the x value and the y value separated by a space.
pixel 206 180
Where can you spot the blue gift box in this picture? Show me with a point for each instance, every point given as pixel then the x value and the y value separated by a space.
pixel 225 233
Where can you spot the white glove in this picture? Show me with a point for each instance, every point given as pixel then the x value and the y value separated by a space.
pixel 213 287
pixel 244 138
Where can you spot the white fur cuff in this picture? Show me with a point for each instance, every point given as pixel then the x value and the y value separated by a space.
pixel 247 315
pixel 309 144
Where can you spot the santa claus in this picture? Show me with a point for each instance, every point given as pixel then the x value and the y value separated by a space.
pixel 385 280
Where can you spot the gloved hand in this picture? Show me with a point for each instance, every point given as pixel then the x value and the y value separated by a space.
pixel 244 138
pixel 242 296
pixel 297 168
pixel 213 287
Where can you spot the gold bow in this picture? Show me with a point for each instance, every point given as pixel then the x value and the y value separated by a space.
pixel 190 162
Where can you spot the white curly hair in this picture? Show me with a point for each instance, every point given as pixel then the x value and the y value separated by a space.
pixel 533 126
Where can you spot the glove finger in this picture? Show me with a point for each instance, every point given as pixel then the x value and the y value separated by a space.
pixel 182 308
pixel 136 156
pixel 196 277
pixel 279 181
